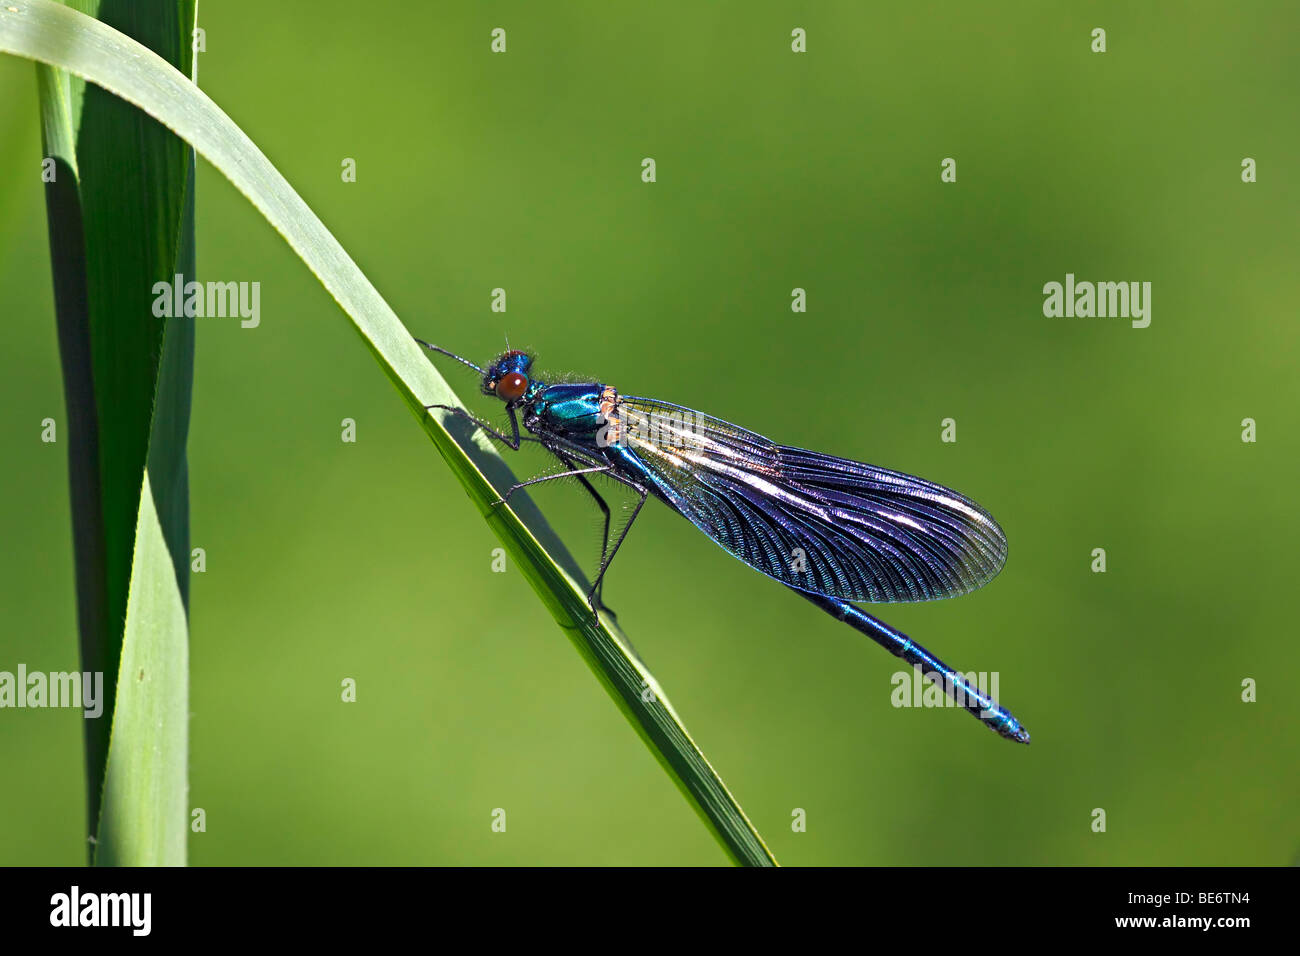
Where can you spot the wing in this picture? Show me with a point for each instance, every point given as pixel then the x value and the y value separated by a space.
pixel 813 521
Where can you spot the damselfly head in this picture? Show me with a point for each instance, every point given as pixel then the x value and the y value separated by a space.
pixel 507 377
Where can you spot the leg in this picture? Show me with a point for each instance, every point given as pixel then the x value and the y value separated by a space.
pixel 512 440
pixel 572 454
pixel 604 565
pixel 594 600
pixel 604 507
pixel 560 474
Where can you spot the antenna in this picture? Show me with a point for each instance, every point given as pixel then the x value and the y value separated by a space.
pixel 462 361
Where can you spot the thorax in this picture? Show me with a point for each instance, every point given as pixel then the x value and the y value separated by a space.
pixel 576 411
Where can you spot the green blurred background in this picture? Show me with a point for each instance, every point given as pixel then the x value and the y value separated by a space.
pixel 328 560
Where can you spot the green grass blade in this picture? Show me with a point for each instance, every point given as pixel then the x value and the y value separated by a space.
pixel 68 266
pixel 46 32
pixel 143 818
pixel 120 213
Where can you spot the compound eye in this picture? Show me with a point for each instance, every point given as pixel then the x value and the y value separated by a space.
pixel 512 387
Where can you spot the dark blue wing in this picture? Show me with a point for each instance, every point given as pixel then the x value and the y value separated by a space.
pixel 809 520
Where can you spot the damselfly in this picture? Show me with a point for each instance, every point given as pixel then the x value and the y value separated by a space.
pixel 832 530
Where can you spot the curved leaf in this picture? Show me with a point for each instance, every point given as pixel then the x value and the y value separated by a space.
pixel 52 34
